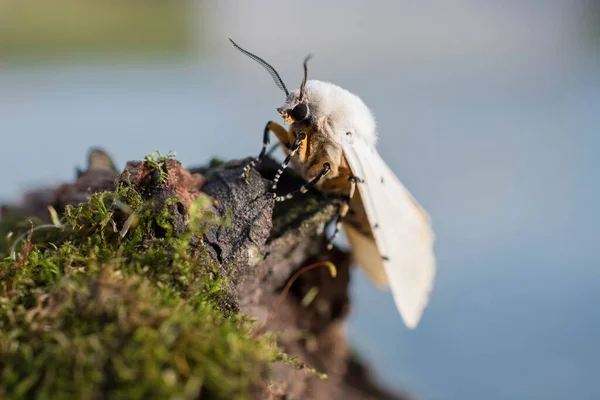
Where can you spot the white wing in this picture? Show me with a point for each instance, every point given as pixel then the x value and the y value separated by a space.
pixel 401 229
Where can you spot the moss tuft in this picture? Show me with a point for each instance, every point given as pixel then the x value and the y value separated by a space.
pixel 110 336
pixel 156 162
pixel 114 304
pixel 295 363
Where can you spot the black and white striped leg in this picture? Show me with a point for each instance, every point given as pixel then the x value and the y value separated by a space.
pixel 343 210
pixel 293 149
pixel 266 141
pixel 306 187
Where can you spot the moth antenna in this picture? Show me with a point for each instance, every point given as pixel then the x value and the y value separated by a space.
pixel 308 57
pixel 266 65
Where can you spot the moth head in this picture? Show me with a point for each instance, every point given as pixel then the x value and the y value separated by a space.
pixel 296 107
pixel 295 113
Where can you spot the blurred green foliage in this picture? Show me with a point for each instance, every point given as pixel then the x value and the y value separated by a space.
pixel 58 28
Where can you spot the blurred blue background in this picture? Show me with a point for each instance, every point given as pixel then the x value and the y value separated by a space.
pixel 488 112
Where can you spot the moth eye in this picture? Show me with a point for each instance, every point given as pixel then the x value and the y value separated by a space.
pixel 299 112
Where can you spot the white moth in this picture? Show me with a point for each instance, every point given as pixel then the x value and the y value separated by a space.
pixel 331 142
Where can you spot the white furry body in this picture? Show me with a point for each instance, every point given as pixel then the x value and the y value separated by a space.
pixel 338 111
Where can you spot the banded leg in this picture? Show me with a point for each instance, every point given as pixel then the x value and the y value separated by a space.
pixel 304 188
pixel 281 134
pixel 293 149
pixel 343 210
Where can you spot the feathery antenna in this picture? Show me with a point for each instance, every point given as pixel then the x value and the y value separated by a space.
pixel 268 67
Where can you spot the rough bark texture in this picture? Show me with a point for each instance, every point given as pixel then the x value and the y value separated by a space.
pixel 266 244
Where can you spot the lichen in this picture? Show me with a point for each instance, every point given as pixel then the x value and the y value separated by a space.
pixel 93 310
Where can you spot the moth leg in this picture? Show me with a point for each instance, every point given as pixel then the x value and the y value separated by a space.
pixel 292 151
pixel 281 134
pixel 304 188
pixel 343 211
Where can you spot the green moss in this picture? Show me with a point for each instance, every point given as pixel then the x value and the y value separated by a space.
pixel 112 337
pixel 293 362
pixel 114 304
pixel 156 161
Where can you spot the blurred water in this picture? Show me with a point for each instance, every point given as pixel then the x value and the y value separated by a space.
pixel 503 154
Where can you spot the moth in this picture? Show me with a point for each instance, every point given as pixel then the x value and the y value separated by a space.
pixel 331 141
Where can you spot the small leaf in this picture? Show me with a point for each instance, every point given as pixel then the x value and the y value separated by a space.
pixel 54 217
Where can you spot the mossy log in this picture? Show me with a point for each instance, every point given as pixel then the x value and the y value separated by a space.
pixel 166 282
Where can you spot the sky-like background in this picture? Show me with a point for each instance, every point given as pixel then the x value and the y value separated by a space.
pixel 489 112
